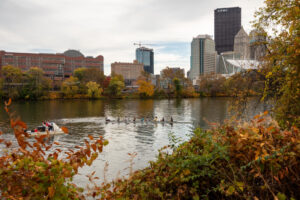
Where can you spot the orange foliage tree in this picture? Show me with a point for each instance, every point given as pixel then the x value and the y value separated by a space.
pixel 146 89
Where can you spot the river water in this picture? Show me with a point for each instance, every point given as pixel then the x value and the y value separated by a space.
pixel 84 117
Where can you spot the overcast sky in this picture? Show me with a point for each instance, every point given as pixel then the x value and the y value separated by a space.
pixel 110 27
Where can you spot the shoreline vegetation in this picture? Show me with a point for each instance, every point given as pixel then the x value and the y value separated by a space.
pixel 257 159
pixel 92 84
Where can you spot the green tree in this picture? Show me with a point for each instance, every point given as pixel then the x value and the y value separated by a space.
pixel 70 86
pixel 79 73
pixel 12 81
pixel 115 86
pixel 85 75
pixel 178 87
pixel 94 74
pixel 118 76
pixel 37 83
pixel 94 89
pixel 281 63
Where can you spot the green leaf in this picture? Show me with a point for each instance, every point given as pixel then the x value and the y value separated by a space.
pixel 281 196
pixel 230 190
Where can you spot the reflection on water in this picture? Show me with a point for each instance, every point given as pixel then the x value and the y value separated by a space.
pixel 84 117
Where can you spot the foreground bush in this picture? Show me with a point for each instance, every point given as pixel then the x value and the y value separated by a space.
pixel 39 169
pixel 254 160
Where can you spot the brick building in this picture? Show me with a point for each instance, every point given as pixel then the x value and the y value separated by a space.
pixel 56 66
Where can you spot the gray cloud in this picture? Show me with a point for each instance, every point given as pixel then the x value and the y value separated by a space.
pixel 109 27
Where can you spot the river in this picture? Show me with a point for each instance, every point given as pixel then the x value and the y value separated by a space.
pixel 84 117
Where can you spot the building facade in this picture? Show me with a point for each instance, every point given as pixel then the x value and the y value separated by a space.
pixel 242 44
pixel 129 71
pixel 146 57
pixel 56 66
pixel 227 25
pixel 257 46
pixel 203 56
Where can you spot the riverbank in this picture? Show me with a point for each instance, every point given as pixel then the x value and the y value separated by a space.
pixel 58 95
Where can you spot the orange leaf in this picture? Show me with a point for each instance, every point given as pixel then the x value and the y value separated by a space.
pixel 260 120
pixel 276 178
pixel 256 116
pixel 55 155
pixel 8 103
pixel 8 144
pixel 1 140
pixel 65 129
pixel 91 137
pixel 22 124
pixel 94 147
pixel 56 143
pixel 266 112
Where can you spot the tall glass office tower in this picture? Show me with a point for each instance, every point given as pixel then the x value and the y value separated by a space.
pixel 227 25
pixel 203 56
pixel 145 56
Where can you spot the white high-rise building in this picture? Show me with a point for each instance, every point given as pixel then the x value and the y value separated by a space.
pixel 203 56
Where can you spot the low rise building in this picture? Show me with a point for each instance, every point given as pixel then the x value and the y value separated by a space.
pixel 130 71
pixel 56 66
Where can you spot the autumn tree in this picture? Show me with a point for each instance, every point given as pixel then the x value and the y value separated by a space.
pixel 12 81
pixel 70 86
pixel 106 82
pixel 281 63
pixel 145 75
pixel 85 75
pixel 94 90
pixel 37 83
pixel 115 86
pixel 118 76
pixel 172 73
pixel 146 89
pixel 79 73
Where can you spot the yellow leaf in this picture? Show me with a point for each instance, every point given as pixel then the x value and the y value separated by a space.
pixel 51 191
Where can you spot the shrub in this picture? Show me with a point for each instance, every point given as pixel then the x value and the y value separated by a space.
pixel 232 161
pixel 32 172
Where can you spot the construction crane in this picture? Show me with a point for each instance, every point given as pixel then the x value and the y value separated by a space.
pixel 140 44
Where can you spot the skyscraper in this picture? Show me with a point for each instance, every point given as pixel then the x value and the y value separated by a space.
pixel 203 56
pixel 227 25
pixel 145 56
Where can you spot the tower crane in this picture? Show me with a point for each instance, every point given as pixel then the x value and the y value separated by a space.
pixel 140 44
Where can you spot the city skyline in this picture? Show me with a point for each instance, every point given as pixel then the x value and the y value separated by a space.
pixel 110 28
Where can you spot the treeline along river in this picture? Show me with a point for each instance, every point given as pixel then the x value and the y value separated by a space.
pixel 84 117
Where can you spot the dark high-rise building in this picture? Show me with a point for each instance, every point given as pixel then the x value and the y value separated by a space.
pixel 145 56
pixel 227 25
